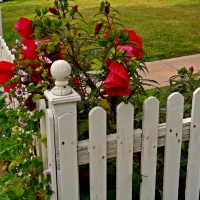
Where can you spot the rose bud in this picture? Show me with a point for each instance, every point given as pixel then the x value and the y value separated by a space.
pixel 191 69
pixel 53 11
pixel 75 8
pixel 107 10
pixel 97 28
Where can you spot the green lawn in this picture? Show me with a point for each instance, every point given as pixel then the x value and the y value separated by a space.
pixel 169 28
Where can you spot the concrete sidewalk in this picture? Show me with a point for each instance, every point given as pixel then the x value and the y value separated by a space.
pixel 162 70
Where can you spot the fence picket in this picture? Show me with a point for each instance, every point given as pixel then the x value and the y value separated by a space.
pixel 41 149
pixel 51 150
pixel 149 148
pixel 97 149
pixel 67 127
pixel 193 167
pixel 173 142
pixel 124 168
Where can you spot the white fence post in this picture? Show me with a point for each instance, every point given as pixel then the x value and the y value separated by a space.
pixel 62 101
pixel 1 31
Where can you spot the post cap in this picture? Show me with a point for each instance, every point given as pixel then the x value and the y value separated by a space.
pixel 61 71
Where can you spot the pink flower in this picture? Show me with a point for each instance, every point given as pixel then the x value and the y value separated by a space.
pixel 48 171
pixel 6 74
pixel 117 81
pixel 24 28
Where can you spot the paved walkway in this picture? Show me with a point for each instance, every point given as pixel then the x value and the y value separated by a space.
pixel 162 70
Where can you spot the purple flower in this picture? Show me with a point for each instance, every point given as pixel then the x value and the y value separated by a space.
pixel 18 92
pixel 4 136
pixel 47 171
pixel 47 60
pixel 40 57
pixel 37 43
pixel 49 186
pixel 22 73
pixel 20 120
pixel 23 103
pixel 20 174
pixel 13 50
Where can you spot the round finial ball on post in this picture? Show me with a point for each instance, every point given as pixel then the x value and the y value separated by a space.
pixel 61 71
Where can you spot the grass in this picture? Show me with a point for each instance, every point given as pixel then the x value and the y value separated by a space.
pixel 169 28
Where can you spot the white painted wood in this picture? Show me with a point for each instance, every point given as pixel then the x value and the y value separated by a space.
pixel 59 106
pixel 193 167
pixel 1 45
pixel 173 146
pixel 149 148
pixel 41 149
pixel 1 30
pixel 97 149
pixel 67 126
pixel 124 168
pixel 51 150
pixel 83 153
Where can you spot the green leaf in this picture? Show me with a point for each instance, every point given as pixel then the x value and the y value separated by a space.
pixel 19 191
pixel 36 97
pixel 136 182
pixel 97 64
pixel 44 140
pixel 38 12
pixel 82 127
pixel 102 42
pixel 106 56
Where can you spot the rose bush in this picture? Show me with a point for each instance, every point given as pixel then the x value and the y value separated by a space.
pixel 105 71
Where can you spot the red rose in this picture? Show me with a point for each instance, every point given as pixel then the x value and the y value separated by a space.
pixel 30 51
pixel 75 8
pixel 117 81
pixel 97 28
pixel 54 11
pixel 6 74
pixel 24 28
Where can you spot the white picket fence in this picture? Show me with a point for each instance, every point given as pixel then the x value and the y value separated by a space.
pixel 65 153
pixel 5 53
